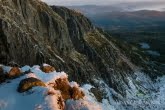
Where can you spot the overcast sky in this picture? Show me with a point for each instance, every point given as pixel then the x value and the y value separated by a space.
pixel 94 2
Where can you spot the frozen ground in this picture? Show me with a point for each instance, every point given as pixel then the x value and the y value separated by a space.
pixel 143 94
pixel 145 45
pixel 37 99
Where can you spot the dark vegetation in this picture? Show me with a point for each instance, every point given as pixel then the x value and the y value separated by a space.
pixel 144 26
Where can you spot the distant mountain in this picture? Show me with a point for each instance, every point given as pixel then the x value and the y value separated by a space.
pixel 128 21
pixel 136 26
pixel 121 7
pixel 94 9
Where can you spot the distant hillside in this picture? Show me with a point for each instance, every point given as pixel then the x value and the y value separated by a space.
pixel 132 26
pixel 129 21
pixel 94 9
pixel 120 7
pixel 136 27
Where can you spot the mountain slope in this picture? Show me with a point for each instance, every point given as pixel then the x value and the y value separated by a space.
pixel 32 33
pixel 143 20
pixel 47 90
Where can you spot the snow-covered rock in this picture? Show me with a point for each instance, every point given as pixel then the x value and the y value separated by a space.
pixel 47 68
pixel 48 94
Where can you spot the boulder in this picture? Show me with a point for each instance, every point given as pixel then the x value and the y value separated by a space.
pixel 27 84
pixel 14 72
pixel 47 69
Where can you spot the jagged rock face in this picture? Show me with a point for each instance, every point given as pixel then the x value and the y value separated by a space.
pixel 77 24
pixel 31 32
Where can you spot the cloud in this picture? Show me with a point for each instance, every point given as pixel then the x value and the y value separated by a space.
pixel 95 2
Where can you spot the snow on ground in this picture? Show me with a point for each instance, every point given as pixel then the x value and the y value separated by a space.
pixel 89 102
pixel 16 101
pixel 154 53
pixel 37 98
pixel 145 45
pixel 143 94
pixel 146 94
pixel 47 78
pixel 105 105
pixel 6 69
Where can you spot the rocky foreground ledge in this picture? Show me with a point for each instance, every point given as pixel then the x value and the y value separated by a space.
pixel 42 88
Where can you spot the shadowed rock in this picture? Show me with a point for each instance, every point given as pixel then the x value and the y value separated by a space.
pixel 2 75
pixel 1 70
pixel 28 83
pixel 32 32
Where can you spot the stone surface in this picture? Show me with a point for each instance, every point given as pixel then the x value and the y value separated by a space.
pixel 14 72
pixel 27 84
pixel 47 69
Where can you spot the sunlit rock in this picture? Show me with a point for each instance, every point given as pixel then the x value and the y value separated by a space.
pixel 28 83
pixel 14 72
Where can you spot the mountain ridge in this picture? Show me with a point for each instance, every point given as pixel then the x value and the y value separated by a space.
pixel 36 43
pixel 34 33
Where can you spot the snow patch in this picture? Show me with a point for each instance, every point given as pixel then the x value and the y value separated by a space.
pixel 46 64
pixel 48 77
pixel 42 98
pixel 154 53
pixel 6 69
pixel 92 101
pixel 3 104
pixel 145 45
pixel 25 68
pixel 52 100
pixel 74 84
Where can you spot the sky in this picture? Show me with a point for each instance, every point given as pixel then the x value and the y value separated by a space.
pixel 96 2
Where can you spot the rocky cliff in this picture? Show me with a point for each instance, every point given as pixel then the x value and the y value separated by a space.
pixel 32 33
